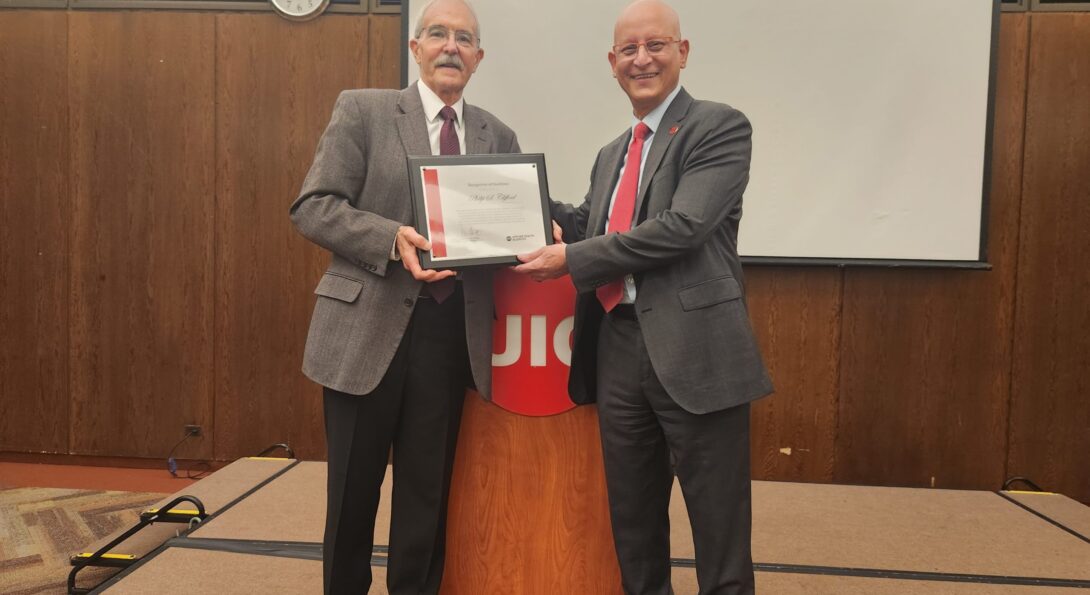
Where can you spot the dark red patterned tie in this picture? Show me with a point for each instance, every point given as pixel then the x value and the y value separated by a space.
pixel 448 136
pixel 448 145
pixel 620 219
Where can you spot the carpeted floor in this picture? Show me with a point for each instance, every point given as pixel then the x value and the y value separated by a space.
pixel 41 527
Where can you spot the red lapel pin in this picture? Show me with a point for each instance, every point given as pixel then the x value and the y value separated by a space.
pixel 673 131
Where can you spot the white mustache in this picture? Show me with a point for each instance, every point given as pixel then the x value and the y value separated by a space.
pixel 449 60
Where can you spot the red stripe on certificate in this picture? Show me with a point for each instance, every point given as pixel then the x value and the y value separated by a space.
pixel 435 213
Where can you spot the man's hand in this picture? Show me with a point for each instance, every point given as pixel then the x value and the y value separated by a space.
pixel 558 234
pixel 545 263
pixel 407 242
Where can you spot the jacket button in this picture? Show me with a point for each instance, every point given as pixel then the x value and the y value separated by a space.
pixel 408 302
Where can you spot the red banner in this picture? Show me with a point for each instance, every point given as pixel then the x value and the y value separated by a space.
pixel 532 344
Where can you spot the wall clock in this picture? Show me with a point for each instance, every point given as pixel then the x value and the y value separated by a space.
pixel 299 10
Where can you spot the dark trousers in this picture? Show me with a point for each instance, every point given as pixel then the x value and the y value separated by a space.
pixel 641 427
pixel 416 410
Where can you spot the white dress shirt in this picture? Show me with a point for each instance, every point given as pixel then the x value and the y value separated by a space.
pixel 432 107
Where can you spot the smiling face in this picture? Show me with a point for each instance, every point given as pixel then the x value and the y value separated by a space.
pixel 447 48
pixel 648 77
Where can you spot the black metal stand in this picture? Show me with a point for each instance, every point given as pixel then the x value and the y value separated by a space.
pixel 102 558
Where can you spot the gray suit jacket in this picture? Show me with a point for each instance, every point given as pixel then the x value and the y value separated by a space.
pixel 690 298
pixel 353 200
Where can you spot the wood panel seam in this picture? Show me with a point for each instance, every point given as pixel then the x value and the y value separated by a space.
pixel 69 231
pixel 839 368
pixel 216 363
pixel 1017 261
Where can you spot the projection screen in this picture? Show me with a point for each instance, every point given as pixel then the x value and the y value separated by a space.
pixel 871 118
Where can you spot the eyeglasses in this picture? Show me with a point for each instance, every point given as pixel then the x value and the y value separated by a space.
pixel 654 47
pixel 438 34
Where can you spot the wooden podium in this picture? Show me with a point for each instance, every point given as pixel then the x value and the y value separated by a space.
pixel 528 511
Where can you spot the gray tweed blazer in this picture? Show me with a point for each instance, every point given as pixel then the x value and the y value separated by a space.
pixel 353 200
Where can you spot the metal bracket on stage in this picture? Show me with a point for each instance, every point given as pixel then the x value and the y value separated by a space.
pixel 283 445
pixel 173 515
pixel 1019 479
pixel 101 558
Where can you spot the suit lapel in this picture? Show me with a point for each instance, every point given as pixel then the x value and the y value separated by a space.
pixel 413 130
pixel 660 141
pixel 478 136
pixel 410 122
pixel 609 168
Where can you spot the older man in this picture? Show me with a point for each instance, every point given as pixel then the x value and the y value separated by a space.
pixel 395 346
pixel 662 337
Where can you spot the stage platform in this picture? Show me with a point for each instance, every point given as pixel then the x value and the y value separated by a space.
pixel 264 532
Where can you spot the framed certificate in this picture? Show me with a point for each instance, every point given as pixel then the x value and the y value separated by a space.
pixel 480 209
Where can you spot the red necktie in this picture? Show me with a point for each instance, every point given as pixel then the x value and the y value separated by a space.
pixel 448 145
pixel 448 136
pixel 620 219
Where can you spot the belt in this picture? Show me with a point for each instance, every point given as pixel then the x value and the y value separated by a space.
pixel 624 311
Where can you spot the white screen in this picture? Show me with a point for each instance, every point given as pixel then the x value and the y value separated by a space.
pixel 869 116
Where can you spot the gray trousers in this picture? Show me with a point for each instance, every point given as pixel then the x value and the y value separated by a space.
pixel 646 439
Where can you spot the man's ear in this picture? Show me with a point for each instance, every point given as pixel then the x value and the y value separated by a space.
pixel 480 56
pixel 414 47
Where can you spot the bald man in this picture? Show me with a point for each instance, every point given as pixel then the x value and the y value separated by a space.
pixel 395 346
pixel 662 336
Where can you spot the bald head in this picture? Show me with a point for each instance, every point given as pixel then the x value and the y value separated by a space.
pixel 643 12
pixel 648 53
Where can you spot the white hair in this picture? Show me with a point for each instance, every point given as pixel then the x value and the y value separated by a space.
pixel 427 7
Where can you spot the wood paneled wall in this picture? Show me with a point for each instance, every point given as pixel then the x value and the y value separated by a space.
pixel 150 277
pixel 796 314
pixel 1050 404
pixel 269 119
pixel 34 214
pixel 141 230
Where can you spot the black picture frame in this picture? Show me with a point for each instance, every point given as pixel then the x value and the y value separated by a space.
pixel 416 185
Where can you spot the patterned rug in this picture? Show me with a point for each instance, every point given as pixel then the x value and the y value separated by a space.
pixel 41 527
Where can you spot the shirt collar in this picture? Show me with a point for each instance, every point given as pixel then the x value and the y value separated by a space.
pixel 654 119
pixel 432 103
